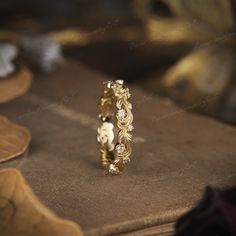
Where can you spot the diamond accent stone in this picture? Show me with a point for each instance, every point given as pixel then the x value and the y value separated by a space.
pixel 120 148
pixel 130 128
pixel 121 113
pixel 113 169
pixel 120 82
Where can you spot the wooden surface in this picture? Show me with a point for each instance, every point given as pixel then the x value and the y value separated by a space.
pixel 175 155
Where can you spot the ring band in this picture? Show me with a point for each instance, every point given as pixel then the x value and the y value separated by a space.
pixel 114 103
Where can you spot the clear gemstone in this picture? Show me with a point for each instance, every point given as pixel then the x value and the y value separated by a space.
pixel 120 148
pixel 112 169
pixel 130 127
pixel 121 113
pixel 121 82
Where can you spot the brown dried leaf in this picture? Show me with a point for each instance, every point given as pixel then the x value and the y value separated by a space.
pixel 14 139
pixel 22 214
pixel 15 86
pixel 201 78
pixel 168 31
pixel 218 14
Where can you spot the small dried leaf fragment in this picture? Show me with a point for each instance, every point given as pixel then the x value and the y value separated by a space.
pixel 21 213
pixel 15 86
pixel 14 139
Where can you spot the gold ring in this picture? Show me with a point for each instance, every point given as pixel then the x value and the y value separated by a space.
pixel 114 103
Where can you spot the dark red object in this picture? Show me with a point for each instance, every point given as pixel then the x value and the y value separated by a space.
pixel 214 216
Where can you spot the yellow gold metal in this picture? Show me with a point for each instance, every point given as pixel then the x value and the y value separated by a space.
pixel 115 146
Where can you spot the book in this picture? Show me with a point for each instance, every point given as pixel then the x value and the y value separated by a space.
pixel 176 154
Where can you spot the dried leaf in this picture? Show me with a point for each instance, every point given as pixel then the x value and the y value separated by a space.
pixel 15 86
pixel 201 78
pixel 168 31
pixel 22 214
pixel 8 52
pixel 188 21
pixel 217 14
pixel 14 139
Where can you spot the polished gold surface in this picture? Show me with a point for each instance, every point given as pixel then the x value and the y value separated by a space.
pixel 115 141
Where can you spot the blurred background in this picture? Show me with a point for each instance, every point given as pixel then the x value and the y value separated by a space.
pixel 183 51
